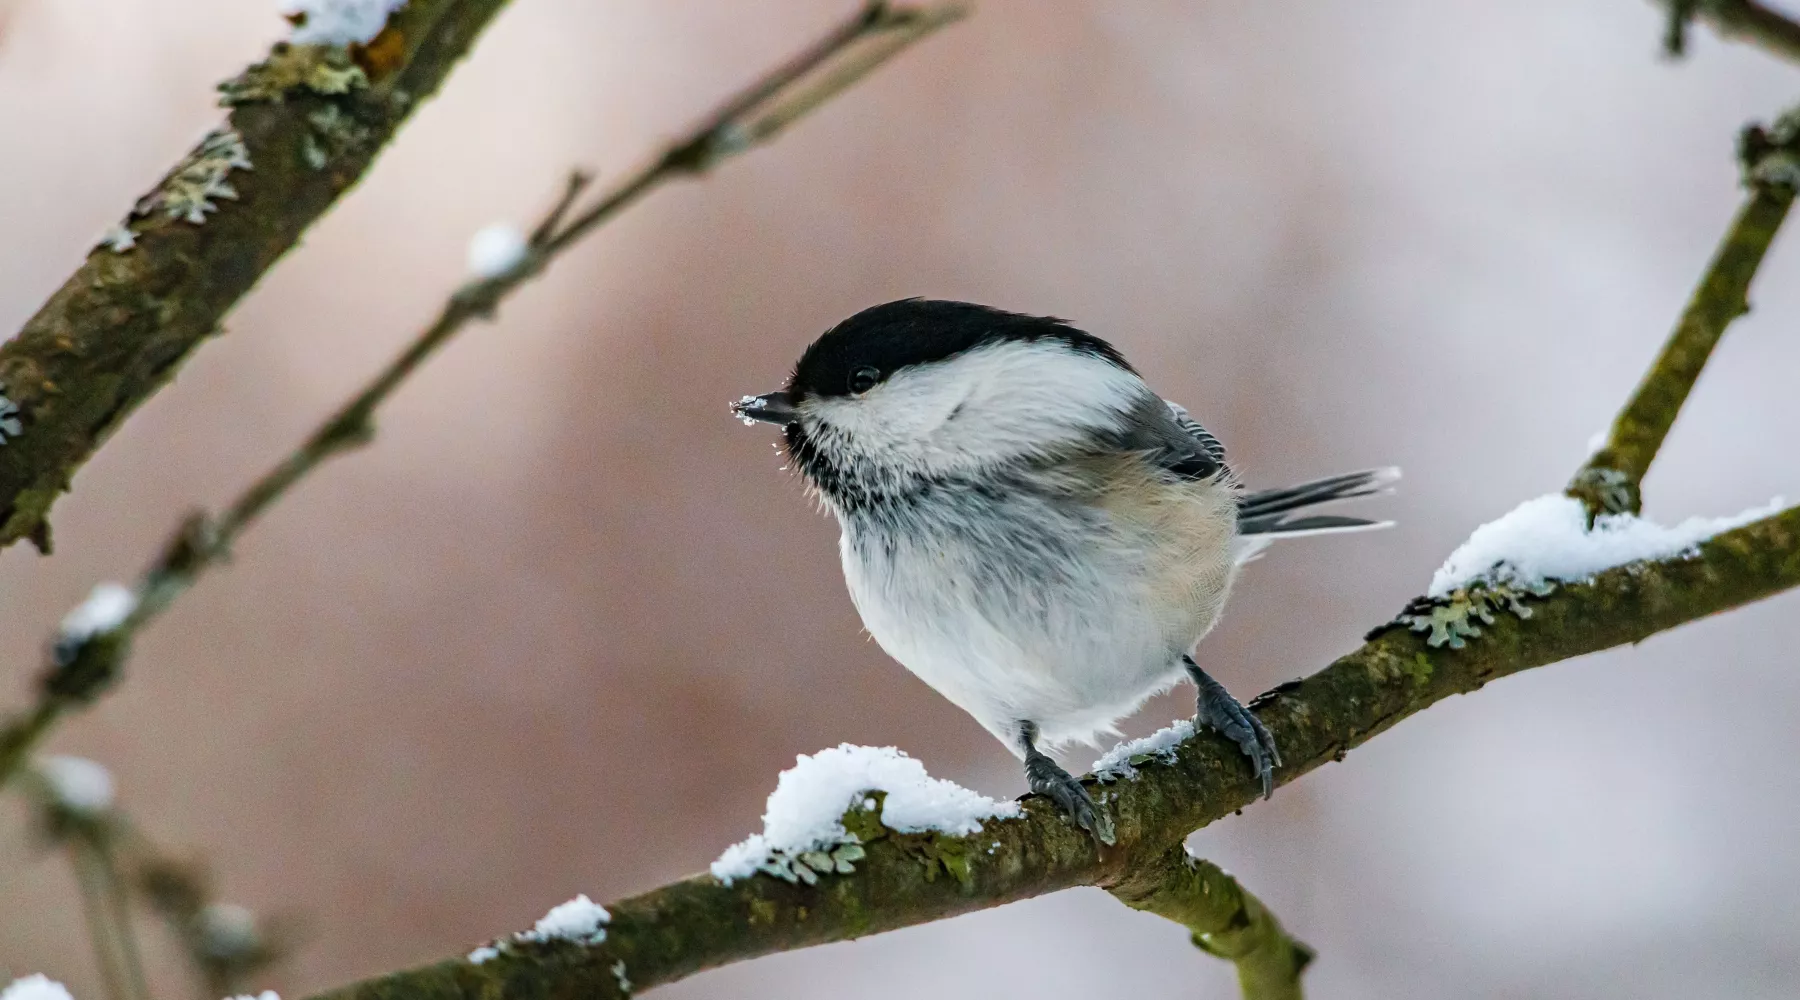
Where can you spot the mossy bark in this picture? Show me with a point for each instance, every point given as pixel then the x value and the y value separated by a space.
pixel 1609 483
pixel 122 324
pixel 1225 919
pixel 679 929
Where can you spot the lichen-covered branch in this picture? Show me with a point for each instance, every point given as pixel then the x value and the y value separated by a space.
pixel 1225 919
pixel 304 125
pixel 1611 480
pixel 1735 20
pixel 907 879
pixel 80 670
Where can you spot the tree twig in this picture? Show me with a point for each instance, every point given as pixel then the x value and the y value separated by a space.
pixel 906 879
pixel 115 863
pixel 304 126
pixel 1225 919
pixel 1610 482
pixel 1735 20
pixel 96 907
pixel 118 900
pixel 755 115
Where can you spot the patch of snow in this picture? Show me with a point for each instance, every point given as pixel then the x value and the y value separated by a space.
pixel 495 250
pixel 38 987
pixel 227 929
pixel 264 995
pixel 580 919
pixel 119 238
pixel 338 22
pixel 79 785
pixel 805 812
pixel 105 609
pixel 1548 539
pixel 1116 763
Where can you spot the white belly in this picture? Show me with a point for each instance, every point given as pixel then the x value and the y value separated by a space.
pixel 1017 609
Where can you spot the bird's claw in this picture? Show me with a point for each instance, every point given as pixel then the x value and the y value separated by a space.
pixel 1218 709
pixel 1071 798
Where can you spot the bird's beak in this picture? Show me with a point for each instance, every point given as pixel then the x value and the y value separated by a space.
pixel 771 408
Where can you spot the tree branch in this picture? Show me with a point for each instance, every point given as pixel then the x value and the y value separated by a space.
pixel 304 126
pixel 1611 480
pixel 1226 921
pixel 907 879
pixel 113 861
pixel 120 970
pixel 79 671
pixel 1734 20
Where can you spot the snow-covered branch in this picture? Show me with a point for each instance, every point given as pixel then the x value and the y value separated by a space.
pixel 908 878
pixel 856 842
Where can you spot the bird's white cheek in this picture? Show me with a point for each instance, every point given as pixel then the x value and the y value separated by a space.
pixel 887 417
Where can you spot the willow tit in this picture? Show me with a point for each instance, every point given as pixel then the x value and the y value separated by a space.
pixel 1027 527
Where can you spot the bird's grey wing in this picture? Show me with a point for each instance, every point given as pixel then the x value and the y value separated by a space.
pixel 1201 435
pixel 1176 441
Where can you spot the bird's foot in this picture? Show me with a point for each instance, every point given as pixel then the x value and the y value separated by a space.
pixel 1048 779
pixel 1218 709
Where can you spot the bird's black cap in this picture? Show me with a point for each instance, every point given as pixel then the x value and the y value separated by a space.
pixel 886 338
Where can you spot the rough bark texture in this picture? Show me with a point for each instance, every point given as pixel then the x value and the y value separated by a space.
pixel 679 929
pixel 125 320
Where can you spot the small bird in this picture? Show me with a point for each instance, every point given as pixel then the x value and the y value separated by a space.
pixel 1027 526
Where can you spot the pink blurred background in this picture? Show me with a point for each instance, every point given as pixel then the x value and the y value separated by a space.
pixel 526 645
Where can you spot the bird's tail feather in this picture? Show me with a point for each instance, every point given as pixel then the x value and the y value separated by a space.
pixel 1266 512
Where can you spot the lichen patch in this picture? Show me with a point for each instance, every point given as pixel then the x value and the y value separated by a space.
pixel 188 193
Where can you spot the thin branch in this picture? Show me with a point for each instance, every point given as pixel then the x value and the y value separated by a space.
pixel 1225 919
pixel 1611 481
pixel 115 863
pixel 1734 20
pixel 304 126
pixel 877 33
pixel 908 879
pixel 760 111
pixel 96 906
pixel 118 903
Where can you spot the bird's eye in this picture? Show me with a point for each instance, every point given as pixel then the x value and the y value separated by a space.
pixel 863 379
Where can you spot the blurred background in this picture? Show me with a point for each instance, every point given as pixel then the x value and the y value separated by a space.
pixel 525 645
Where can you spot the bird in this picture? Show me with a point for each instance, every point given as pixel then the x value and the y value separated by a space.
pixel 1028 527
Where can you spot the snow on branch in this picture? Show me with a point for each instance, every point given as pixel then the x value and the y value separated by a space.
pixel 671 932
pixel 35 987
pixel 580 920
pixel 1548 539
pixel 803 831
pixel 337 22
